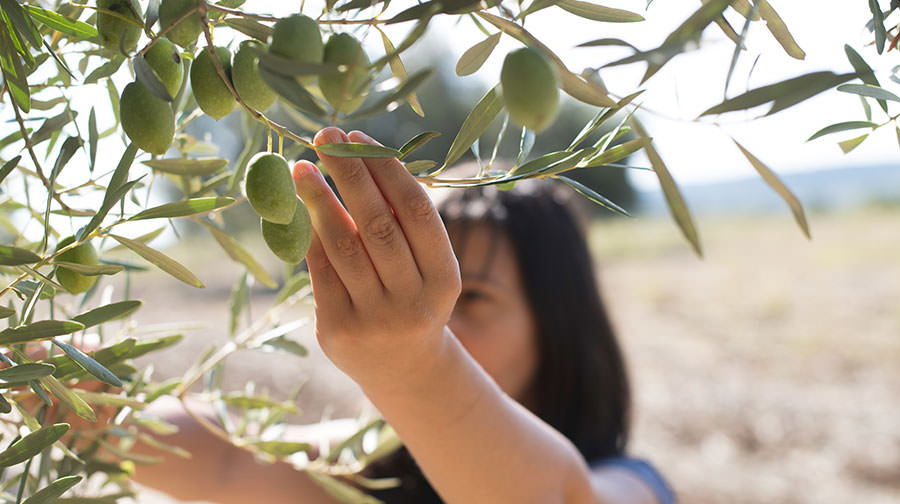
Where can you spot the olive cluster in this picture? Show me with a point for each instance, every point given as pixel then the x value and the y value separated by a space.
pixel 285 222
pixel 147 117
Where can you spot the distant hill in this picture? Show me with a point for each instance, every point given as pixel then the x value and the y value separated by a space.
pixel 829 189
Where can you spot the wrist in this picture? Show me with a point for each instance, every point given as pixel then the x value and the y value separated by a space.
pixel 415 374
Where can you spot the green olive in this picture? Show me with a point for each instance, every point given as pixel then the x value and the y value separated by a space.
pixel 297 38
pixel 270 188
pixel 343 89
pixel 147 119
pixel 116 33
pixel 289 242
pixel 185 32
pixel 247 82
pixel 165 61
pixel 211 93
pixel 530 88
pixel 81 254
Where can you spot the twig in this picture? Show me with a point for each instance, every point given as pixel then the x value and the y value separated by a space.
pixel 30 148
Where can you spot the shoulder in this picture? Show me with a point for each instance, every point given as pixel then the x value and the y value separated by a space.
pixel 629 479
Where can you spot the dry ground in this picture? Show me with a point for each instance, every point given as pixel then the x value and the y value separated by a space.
pixel 767 372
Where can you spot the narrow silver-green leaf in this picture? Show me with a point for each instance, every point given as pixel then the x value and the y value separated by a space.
pixel 161 260
pixel 93 137
pixel 870 91
pixel 239 297
pixel 68 398
pixel 250 28
pixel 281 449
pixel 14 256
pixel 616 153
pixel 390 101
pixel 596 12
pixel 289 89
pixel 26 372
pixel 416 142
pixel 90 269
pixel 53 491
pixel 239 254
pixel 878 23
pixel 592 195
pixel 286 345
pixel 115 189
pixel 783 94
pixel 848 145
pixel 475 56
pixel 842 126
pixel 32 444
pixel 865 72
pixel 61 23
pixel 420 166
pixel 779 30
pixel 360 150
pixel 778 186
pixel 108 399
pixel 475 124
pixel 106 313
pixel 673 196
pixel 183 208
pixel 399 71
pixel 6 312
pixel 292 286
pixel 9 166
pixel 188 166
pixel 41 330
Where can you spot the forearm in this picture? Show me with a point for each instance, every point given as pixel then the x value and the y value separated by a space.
pixel 219 471
pixel 474 443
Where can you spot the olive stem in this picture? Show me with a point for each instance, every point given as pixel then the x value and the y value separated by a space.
pixel 165 30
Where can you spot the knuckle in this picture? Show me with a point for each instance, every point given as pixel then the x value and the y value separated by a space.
pixel 382 230
pixel 348 247
pixel 420 207
pixel 354 173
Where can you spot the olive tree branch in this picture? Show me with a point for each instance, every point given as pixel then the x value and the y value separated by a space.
pixel 257 115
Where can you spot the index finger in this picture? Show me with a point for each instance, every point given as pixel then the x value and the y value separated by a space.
pixel 419 219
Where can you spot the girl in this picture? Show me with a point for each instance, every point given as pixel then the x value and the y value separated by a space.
pixel 496 366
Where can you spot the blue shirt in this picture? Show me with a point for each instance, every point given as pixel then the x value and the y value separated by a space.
pixel 646 472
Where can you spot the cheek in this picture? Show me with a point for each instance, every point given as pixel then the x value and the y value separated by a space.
pixel 503 345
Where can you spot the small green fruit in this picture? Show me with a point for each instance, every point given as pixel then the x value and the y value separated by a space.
pixel 247 82
pixel 298 38
pixel 211 93
pixel 343 89
pixel 81 254
pixel 289 242
pixel 270 188
pixel 186 32
pixel 116 33
pixel 530 88
pixel 147 119
pixel 165 61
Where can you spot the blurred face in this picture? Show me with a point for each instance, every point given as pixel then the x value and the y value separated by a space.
pixel 492 318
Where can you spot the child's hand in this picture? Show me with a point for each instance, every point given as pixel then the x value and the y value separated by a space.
pixel 384 276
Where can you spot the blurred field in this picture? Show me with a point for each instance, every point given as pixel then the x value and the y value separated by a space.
pixel 767 372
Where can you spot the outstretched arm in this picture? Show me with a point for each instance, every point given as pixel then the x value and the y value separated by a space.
pixel 385 281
